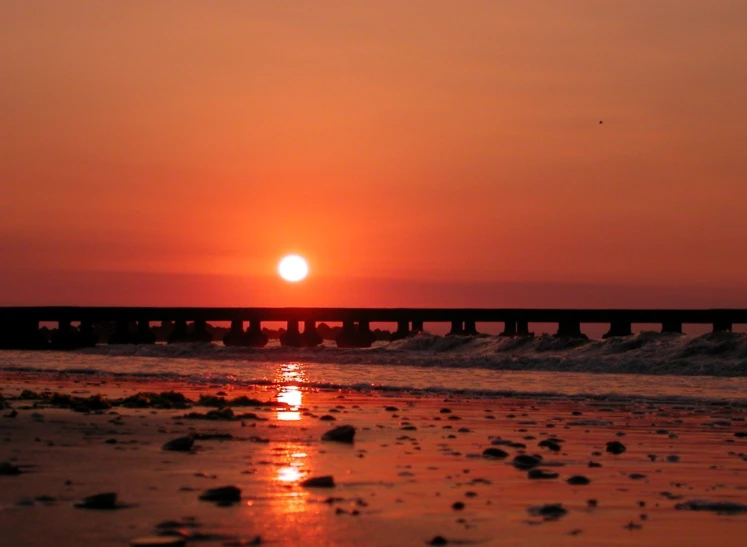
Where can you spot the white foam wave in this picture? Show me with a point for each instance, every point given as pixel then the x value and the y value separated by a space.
pixel 714 354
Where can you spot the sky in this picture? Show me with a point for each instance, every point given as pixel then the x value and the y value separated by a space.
pixel 420 153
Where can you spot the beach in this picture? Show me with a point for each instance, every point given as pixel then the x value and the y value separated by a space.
pixel 416 473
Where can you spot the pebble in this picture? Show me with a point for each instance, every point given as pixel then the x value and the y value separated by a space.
pixel 494 453
pixel 525 461
pixel 222 495
pixel 107 500
pixel 541 474
pixel 615 447
pixel 7 468
pixel 578 480
pixel 326 481
pixel 438 540
pixel 342 434
pixel 180 444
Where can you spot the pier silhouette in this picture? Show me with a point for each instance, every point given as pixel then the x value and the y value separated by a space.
pixel 20 326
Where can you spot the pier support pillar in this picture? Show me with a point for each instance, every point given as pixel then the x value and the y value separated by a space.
pixel 235 336
pixel 199 332
pixel 470 329
pixel 88 337
pixel 364 337
pixel 65 337
pixel 292 336
pixel 722 326
pixel 457 329
pixel 144 335
pixel 22 334
pixel 417 326
pixel 121 334
pixel 672 327
pixel 569 329
pixel 254 337
pixel 310 337
pixel 403 331
pixel 179 334
pixel 618 328
pixel 509 329
pixel 522 329
pixel 346 337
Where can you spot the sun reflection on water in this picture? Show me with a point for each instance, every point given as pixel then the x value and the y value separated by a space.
pixel 289 374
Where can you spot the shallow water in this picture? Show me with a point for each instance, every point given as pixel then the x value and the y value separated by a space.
pixel 485 366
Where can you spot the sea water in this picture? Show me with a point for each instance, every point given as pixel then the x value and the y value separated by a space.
pixel 708 368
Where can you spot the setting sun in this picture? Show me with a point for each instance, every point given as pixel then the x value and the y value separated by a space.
pixel 293 268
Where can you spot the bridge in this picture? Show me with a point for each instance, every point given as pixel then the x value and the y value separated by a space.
pixel 20 326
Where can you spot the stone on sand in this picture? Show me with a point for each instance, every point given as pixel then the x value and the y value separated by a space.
pixel 180 444
pixel 326 481
pixel 222 495
pixel 106 500
pixel 494 453
pixel 615 447
pixel 342 434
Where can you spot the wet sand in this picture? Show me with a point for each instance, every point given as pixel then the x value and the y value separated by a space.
pixel 414 473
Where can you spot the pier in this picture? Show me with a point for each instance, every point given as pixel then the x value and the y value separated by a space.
pixel 20 326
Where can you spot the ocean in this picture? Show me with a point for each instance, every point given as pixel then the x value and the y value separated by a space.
pixel 665 367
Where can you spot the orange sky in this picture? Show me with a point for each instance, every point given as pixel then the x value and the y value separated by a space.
pixel 412 151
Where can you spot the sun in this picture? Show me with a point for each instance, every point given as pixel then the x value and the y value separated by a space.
pixel 293 268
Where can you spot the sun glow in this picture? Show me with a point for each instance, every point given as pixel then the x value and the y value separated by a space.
pixel 293 268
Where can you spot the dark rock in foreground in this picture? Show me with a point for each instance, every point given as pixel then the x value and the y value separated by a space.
pixel 342 434
pixel 541 474
pixel 525 461
pixel 494 453
pixel 715 506
pixel 222 495
pixel 615 447
pixel 549 511
pixel 107 500
pixel 181 444
pixel 326 481
pixel 7 468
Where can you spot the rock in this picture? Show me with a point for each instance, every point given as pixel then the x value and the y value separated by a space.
pixel 7 468
pixel 494 453
pixel 327 418
pixel 224 495
pixel 326 481
pixel 615 447
pixel 525 461
pixel 445 411
pixel 594 464
pixel 158 541
pixel 550 445
pixel 107 500
pixel 715 506
pixel 438 540
pixel 180 444
pixel 637 476
pixel 541 474
pixel 11 414
pixel 578 480
pixel 342 434
pixel 457 506
pixel 673 458
pixel 549 511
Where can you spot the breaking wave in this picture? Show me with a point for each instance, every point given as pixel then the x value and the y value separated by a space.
pixel 713 354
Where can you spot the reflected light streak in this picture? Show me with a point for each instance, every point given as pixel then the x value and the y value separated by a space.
pixel 291 395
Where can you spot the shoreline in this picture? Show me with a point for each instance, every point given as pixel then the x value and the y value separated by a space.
pixel 414 457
